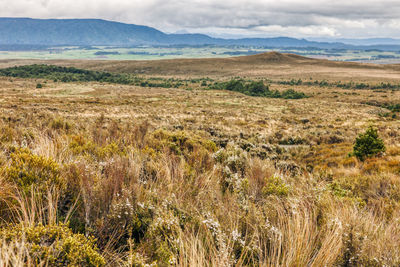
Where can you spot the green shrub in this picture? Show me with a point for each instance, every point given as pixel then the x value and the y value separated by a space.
pixel 234 85
pixel 80 145
pixel 39 85
pixel 292 94
pixel 27 169
pixel 109 150
pixel 54 245
pixel 65 74
pixel 368 144
pixel 275 186
pixel 256 88
pixel 347 192
pixel 251 88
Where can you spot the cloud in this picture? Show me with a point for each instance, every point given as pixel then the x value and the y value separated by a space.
pixel 362 18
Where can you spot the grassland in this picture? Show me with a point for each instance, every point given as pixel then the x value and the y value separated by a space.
pixel 181 52
pixel 190 176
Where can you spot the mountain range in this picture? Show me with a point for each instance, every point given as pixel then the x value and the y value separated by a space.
pixel 27 32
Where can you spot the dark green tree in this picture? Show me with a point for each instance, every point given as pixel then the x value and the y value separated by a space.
pixel 368 144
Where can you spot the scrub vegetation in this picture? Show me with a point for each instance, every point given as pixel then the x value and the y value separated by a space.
pixel 214 172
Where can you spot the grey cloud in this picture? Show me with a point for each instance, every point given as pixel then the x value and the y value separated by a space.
pixel 302 17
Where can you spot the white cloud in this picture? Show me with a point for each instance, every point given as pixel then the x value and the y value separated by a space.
pixel 299 18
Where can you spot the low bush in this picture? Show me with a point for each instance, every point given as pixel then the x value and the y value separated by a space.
pixel 54 245
pixel 64 74
pixel 275 186
pixel 368 144
pixel 193 148
pixel 26 169
pixel 256 88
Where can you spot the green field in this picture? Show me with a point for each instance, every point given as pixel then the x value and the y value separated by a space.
pixel 153 53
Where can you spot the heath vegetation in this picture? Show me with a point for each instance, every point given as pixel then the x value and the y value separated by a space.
pixel 222 170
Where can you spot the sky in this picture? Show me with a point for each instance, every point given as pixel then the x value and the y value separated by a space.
pixel 230 18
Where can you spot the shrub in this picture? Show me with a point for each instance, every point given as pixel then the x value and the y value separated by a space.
pixel 234 85
pixel 256 88
pixel 252 88
pixel 27 169
pixel 195 149
pixel 80 145
pixel 54 245
pixel 59 124
pixel 368 144
pixel 64 74
pixel 275 186
pixel 292 94
pixel 109 150
pixel 162 238
pixel 39 85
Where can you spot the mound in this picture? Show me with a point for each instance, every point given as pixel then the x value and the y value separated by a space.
pixel 275 57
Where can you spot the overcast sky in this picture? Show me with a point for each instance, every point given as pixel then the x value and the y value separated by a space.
pixel 257 18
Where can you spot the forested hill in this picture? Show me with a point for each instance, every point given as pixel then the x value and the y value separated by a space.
pixel 26 31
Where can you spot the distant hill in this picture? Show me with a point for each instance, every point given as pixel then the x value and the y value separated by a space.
pixel 360 41
pixel 27 33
